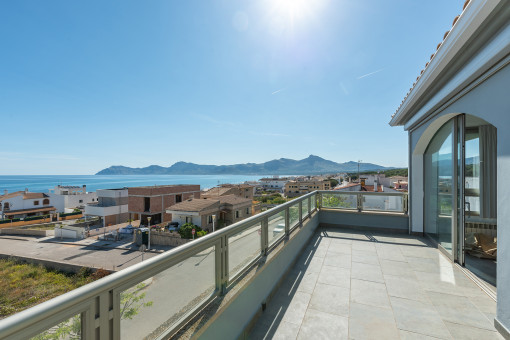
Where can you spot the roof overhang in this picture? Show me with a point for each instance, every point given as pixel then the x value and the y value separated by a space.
pixel 185 213
pixel 475 27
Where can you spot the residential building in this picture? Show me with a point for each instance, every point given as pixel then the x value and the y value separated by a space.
pixel 298 188
pixel 66 198
pixel 151 201
pixel 111 206
pixel 456 114
pixel 274 184
pixel 227 210
pixel 21 204
pixel 240 190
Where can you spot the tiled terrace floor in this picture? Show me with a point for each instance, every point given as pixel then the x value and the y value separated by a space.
pixel 355 285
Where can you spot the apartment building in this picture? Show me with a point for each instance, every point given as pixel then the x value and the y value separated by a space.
pixel 111 206
pixel 151 201
pixel 298 188
pixel 21 204
pixel 274 183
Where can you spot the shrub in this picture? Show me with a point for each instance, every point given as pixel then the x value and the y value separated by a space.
pixel 201 233
pixel 185 230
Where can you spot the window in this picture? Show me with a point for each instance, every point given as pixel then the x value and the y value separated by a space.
pixel 237 213
pixel 178 198
pixel 188 219
pixel 36 202
pixel 46 201
pixel 7 206
pixel 247 211
pixel 210 219
pixel 80 201
pixel 147 203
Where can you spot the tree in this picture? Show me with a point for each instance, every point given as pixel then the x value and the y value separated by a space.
pixel 333 182
pixel 132 302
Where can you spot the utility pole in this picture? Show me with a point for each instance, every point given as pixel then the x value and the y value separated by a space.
pixel 359 179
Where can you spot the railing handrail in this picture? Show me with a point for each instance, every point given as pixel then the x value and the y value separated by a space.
pixel 136 272
pixel 367 193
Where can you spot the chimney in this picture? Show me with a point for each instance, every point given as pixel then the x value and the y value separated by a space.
pixel 26 190
pixel 6 192
pixel 84 189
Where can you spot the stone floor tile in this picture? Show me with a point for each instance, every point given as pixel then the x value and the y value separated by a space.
pixel 458 309
pixel 330 299
pixel 365 257
pixel 418 317
pixel 313 265
pixel 396 268
pixel 320 325
pixel 335 276
pixel 364 246
pixel 405 287
pixel 338 260
pixel 463 332
pixel 390 254
pixel 405 335
pixel 339 248
pixel 303 281
pixel 295 311
pixel 368 272
pixel 369 293
pixel 369 322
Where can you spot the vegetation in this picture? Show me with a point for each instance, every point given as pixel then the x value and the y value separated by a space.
pixel 273 198
pixel 388 173
pixel 333 182
pixel 24 285
pixel 185 231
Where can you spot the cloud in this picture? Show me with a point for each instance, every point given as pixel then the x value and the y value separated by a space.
pixel 275 92
pixel 344 89
pixel 370 74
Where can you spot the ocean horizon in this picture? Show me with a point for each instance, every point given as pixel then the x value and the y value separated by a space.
pixel 42 183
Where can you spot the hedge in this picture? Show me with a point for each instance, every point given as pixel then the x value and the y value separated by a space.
pixel 31 218
pixel 9 221
pixel 71 214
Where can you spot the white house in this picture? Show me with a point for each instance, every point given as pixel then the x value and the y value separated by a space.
pixel 66 198
pixel 21 204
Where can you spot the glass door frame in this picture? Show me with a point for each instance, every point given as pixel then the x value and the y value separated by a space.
pixel 459 182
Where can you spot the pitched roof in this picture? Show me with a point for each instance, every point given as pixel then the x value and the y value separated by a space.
pixel 28 211
pixel 12 194
pixel 195 204
pixel 217 191
pixel 234 200
pixel 32 195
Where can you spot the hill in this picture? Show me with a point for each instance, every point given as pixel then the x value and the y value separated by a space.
pixel 283 166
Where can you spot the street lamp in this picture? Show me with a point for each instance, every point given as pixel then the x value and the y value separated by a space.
pixel 149 245
pixel 213 220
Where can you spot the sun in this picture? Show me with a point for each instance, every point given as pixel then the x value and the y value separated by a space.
pixel 290 13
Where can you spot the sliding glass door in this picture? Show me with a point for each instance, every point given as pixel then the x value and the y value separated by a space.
pixel 439 188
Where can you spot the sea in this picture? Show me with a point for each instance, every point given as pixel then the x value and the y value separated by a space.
pixel 42 183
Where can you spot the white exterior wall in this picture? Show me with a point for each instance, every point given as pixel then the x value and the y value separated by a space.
pixel 68 202
pixel 18 203
pixel 106 211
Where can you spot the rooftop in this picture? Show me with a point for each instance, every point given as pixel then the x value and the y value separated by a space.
pixel 359 285
pixel 234 200
pixel 195 204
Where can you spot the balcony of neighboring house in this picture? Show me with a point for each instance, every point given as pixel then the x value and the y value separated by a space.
pixel 325 265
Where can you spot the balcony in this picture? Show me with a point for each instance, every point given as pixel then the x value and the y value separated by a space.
pixel 317 265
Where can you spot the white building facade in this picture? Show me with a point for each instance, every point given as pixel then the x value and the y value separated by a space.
pixel 67 198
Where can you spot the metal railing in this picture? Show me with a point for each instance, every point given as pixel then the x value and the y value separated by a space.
pixel 395 202
pixel 180 281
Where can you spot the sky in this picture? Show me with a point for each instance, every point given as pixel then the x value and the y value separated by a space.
pixel 89 84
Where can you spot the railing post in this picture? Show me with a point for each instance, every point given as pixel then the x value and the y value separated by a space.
pixel 309 205
pixel 405 203
pixel 221 265
pixel 360 202
pixel 287 222
pixel 300 211
pixel 319 204
pixel 264 237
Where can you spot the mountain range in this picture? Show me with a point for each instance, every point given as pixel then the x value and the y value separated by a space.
pixel 283 166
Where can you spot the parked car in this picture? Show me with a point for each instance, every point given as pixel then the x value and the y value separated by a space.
pixel 280 228
pixel 129 229
pixel 173 226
